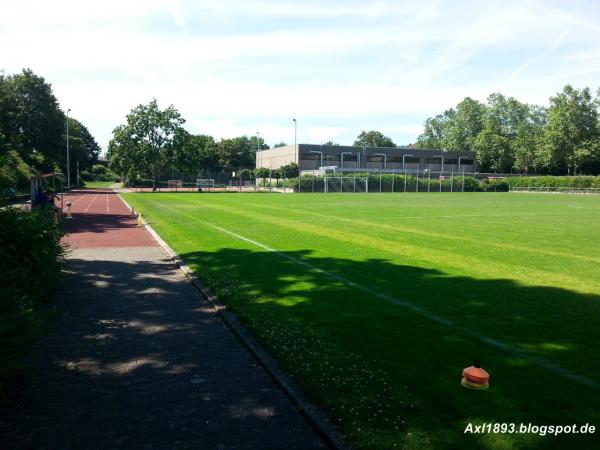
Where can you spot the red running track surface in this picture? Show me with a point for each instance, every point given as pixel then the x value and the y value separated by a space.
pixel 101 219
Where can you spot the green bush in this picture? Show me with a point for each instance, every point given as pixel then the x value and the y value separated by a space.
pixel 553 182
pixel 30 267
pixel 498 185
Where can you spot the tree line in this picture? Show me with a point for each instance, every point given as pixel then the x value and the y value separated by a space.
pixel 33 132
pixel 153 141
pixel 507 135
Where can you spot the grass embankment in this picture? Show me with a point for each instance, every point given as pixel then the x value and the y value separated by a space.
pixel 98 184
pixel 30 267
pixel 376 302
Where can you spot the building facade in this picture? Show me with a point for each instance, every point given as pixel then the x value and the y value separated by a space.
pixel 338 158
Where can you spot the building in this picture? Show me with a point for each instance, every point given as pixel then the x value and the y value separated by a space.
pixel 339 158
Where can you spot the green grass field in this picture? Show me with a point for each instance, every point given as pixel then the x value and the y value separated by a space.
pixel 98 184
pixel 376 302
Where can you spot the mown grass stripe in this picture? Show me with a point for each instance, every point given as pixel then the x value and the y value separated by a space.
pixel 498 344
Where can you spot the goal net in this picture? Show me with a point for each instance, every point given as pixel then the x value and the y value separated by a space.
pixel 345 184
pixel 174 184
pixel 205 183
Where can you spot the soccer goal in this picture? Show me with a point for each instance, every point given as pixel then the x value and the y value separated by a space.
pixel 345 184
pixel 205 183
pixel 174 184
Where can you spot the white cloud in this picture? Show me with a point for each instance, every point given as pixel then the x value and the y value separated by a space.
pixel 235 67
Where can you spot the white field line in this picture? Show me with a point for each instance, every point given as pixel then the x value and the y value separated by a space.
pixel 107 208
pixel 73 203
pixel 88 206
pixel 500 345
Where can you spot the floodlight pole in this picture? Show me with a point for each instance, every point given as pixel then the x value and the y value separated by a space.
pixel 68 164
pixel 257 153
pixel 296 157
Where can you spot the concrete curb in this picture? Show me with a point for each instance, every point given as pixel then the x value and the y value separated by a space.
pixel 315 416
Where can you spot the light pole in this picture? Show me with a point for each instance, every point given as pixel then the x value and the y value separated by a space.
pixel 403 157
pixel 320 153
pixel 258 166
pixel 296 142
pixel 68 164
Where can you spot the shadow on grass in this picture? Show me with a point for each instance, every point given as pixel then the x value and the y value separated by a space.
pixel 135 357
pixel 324 316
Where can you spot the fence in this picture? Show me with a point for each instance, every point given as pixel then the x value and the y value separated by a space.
pixel 373 181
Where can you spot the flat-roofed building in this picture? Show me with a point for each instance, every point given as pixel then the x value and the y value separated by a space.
pixel 311 158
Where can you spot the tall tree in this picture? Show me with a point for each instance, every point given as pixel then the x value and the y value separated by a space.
pixel 466 124
pixel 145 143
pixel 572 133
pixel 30 120
pixel 373 138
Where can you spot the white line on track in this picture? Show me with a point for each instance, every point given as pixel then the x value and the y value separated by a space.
pixel 88 206
pixel 107 208
pixel 500 345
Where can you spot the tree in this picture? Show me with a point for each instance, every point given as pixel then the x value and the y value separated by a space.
pixel 290 170
pixel 332 144
pixel 467 122
pixel 571 135
pixel 434 132
pixel 236 153
pixel 83 148
pixel 145 143
pixel 279 144
pixel 373 139
pixel 261 172
pixel 30 120
pixel 493 151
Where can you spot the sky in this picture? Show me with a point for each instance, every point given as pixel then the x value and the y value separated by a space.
pixel 339 67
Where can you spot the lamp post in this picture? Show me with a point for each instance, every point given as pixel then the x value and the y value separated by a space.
pixel 296 142
pixel 68 163
pixel 320 153
pixel 403 157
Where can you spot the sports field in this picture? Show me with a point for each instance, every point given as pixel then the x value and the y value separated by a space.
pixel 376 302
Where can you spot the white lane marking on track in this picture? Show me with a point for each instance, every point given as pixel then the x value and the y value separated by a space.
pixel 500 345
pixel 72 203
pixel 107 208
pixel 88 206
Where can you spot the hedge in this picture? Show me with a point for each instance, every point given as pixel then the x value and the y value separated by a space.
pixel 30 267
pixel 554 182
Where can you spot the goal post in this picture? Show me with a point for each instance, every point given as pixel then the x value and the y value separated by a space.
pixel 174 184
pixel 205 183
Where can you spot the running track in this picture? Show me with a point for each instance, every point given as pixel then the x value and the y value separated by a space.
pixel 101 219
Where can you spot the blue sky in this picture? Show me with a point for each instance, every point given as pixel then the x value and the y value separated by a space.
pixel 339 67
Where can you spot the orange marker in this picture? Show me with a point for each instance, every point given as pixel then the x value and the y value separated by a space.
pixel 474 377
